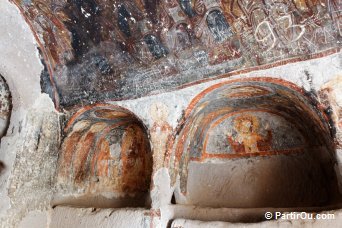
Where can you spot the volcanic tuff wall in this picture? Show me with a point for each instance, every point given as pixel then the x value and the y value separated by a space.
pixel 180 116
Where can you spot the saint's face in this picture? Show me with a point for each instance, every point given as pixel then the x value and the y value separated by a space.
pixel 246 126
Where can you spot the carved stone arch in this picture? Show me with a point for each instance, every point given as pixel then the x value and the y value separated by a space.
pixel 244 143
pixel 105 159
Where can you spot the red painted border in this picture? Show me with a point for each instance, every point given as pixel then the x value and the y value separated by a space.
pixel 98 105
pixel 171 147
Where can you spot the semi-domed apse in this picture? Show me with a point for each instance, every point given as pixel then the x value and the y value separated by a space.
pixel 253 143
pixel 105 159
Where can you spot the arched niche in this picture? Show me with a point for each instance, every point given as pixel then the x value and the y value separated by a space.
pixel 253 143
pixel 105 159
pixel 5 106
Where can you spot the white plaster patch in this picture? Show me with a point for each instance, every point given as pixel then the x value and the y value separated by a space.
pixel 104 218
pixel 36 219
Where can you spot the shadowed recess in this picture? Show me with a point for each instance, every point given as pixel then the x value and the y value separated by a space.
pixel 106 156
pixel 254 143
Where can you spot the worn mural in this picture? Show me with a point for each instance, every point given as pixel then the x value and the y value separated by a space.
pixel 252 132
pixel 247 119
pixel 160 132
pixel 99 50
pixel 106 150
pixel 244 143
pixel 329 98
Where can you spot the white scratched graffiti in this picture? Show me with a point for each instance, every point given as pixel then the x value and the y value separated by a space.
pixel 262 36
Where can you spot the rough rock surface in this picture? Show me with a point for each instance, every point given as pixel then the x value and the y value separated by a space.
pixel 32 145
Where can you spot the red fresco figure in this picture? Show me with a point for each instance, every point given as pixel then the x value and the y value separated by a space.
pixel 247 138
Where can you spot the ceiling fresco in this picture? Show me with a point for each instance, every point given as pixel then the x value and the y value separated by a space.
pixel 98 50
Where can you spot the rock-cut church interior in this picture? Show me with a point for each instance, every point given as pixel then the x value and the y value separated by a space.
pixel 170 113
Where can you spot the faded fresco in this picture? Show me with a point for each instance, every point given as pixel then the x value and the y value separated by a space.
pixel 246 119
pixel 160 132
pixel 331 101
pixel 106 150
pixel 98 50
pixel 252 132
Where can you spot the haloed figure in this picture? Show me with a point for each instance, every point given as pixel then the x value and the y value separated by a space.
pixel 218 26
pixel 247 138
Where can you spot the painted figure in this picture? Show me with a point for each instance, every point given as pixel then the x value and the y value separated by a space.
pixel 218 26
pixel 135 161
pixel 155 46
pixel 105 150
pixel 247 138
pixel 187 7
pixel 160 132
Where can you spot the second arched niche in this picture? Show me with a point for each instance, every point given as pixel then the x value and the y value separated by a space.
pixel 105 160
pixel 253 143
